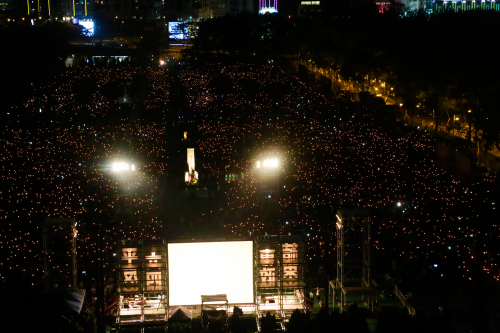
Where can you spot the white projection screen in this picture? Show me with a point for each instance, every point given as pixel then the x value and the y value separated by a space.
pixel 210 268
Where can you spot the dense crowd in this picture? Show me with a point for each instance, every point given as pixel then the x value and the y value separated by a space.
pixel 331 151
pixel 58 146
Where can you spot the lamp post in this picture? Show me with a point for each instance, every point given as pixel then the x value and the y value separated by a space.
pixel 469 131
pixel 121 167
pixel 117 168
pixel 267 164
pixel 268 172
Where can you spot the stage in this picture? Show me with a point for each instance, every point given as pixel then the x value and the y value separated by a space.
pixel 155 310
pixel 260 276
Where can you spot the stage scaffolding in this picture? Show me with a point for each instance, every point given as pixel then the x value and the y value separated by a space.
pixel 279 275
pixel 353 258
pixel 279 287
pixel 143 283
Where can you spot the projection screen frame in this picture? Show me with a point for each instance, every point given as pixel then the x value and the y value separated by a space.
pixel 187 277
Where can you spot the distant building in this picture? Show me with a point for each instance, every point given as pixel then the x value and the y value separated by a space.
pixel 104 9
pixel 383 5
pixel 17 8
pixel 309 7
pixel 6 7
pixel 57 8
pixel 412 7
pixel 218 7
pixel 439 7
pixel 180 11
pixel 238 6
pixel 195 10
pixel 268 6
pixel 122 11
pixel 127 9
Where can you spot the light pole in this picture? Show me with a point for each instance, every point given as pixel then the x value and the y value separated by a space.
pixel 118 169
pixel 268 169
pixel 469 131
pixel 121 167
pixel 267 164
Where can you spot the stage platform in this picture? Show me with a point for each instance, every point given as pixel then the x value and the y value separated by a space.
pixel 154 310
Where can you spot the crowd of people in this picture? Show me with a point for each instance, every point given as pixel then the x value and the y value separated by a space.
pixel 57 150
pixel 331 152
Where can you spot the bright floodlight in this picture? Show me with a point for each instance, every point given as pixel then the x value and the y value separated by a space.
pixel 121 167
pixel 268 10
pixel 269 163
pixel 210 268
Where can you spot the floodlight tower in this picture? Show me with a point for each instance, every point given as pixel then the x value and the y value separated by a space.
pixel 353 256
pixel 119 169
pixel 268 170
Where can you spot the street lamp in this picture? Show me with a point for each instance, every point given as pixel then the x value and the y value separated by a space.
pixel 122 172
pixel 268 169
pixel 267 164
pixel 469 130
pixel 119 167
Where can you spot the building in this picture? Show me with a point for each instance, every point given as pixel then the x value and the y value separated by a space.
pixel 268 6
pixel 195 10
pixel 309 7
pixel 412 7
pixel 238 6
pixel 383 5
pixel 17 9
pixel 218 7
pixel 127 9
pixel 6 7
pixel 439 7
